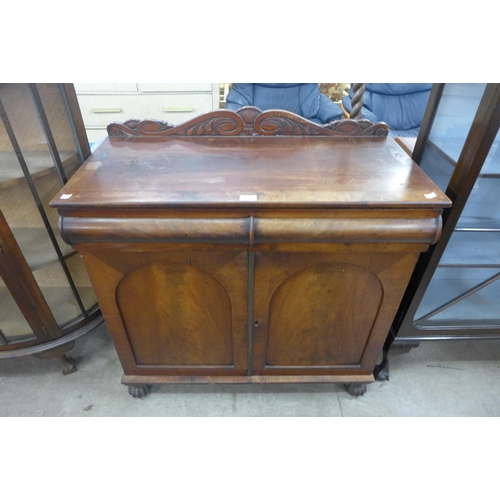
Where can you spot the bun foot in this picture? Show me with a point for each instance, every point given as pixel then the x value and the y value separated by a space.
pixel 355 389
pixel 139 391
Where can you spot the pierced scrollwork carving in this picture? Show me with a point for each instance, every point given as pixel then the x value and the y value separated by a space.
pixel 272 123
pixel 358 128
pixel 248 121
pixel 218 125
pixel 138 127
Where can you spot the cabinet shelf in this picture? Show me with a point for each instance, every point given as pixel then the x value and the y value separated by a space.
pixel 472 248
pixel 37 248
pixel 39 163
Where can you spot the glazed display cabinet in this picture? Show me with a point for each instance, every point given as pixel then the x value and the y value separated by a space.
pixel 454 292
pixel 46 297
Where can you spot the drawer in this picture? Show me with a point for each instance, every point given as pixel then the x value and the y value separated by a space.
pixel 106 87
pixel 175 87
pixel 100 110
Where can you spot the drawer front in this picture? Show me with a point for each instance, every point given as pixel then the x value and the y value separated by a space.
pixel 106 87
pixel 99 110
pixel 175 87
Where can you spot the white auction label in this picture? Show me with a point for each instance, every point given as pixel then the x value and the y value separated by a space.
pixel 66 196
pixel 248 197
pixel 430 195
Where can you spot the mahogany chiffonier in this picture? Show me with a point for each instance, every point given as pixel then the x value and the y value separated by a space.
pixel 249 246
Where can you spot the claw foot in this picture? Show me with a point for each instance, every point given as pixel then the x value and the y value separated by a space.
pixel 355 389
pixel 139 391
pixel 69 365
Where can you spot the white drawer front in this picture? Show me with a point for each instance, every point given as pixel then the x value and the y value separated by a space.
pixel 175 87
pixel 101 110
pixel 106 87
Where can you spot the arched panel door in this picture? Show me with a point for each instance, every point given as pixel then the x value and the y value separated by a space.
pixel 321 317
pixel 176 316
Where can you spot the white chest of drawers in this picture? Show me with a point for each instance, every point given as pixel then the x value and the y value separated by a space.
pixel 103 103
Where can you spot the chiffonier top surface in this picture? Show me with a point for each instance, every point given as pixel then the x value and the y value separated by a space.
pixel 251 172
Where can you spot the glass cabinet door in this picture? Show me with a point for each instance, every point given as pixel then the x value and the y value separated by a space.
pixel 465 289
pixel 455 290
pixel 39 151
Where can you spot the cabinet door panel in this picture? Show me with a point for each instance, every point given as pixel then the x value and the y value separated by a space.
pixel 324 313
pixel 182 316
pixel 175 313
pixel 312 321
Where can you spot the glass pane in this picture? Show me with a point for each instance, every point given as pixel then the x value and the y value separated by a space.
pixel 24 219
pixel 483 206
pixel 13 325
pixel 54 107
pixel 457 108
pixel 438 166
pixel 82 281
pixel 472 249
pixel 57 292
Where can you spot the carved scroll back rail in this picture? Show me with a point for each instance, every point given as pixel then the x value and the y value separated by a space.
pixel 249 121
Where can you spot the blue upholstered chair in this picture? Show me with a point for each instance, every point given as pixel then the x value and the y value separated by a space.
pixel 400 105
pixel 303 99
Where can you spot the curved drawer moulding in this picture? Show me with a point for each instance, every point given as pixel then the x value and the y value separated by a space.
pixel 186 312
pixel 250 230
pixel 323 316
pixel 348 230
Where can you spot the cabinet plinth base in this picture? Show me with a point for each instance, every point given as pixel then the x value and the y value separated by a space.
pixel 138 380
pixel 355 386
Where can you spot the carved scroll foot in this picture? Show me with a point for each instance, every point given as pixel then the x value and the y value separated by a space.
pixel 69 365
pixel 139 391
pixel 355 389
